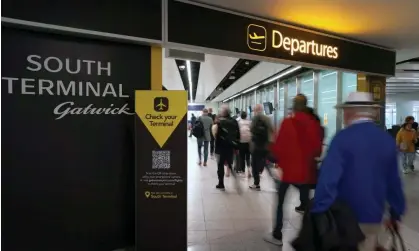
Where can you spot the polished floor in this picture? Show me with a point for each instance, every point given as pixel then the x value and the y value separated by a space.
pixel 237 222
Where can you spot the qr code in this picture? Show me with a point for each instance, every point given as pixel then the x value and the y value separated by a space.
pixel 161 159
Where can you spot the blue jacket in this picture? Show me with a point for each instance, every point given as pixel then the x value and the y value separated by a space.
pixel 361 169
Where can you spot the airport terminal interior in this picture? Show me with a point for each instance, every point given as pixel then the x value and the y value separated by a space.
pixel 227 220
pixel 100 143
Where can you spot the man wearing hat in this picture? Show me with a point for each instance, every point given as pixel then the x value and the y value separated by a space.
pixel 361 170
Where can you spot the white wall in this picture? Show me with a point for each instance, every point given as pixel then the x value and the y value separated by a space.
pixel 404 104
pixel 258 73
pixel 171 77
pixel 211 72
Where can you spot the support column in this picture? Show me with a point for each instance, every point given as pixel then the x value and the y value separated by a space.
pixel 156 68
pixel 376 85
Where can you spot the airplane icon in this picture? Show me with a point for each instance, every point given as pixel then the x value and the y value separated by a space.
pixel 161 104
pixel 256 37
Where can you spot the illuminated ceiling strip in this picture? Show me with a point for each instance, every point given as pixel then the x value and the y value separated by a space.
pixel 225 100
pixel 188 68
pixel 406 78
pixel 281 75
pixel 266 82
pixel 251 89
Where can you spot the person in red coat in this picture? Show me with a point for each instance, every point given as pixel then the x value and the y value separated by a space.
pixel 298 144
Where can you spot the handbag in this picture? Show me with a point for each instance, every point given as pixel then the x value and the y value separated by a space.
pixel 395 238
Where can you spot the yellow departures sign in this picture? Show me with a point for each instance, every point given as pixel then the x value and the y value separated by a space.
pixel 161 112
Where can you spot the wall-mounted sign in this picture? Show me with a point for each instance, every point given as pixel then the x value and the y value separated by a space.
pixel 161 170
pixel 135 20
pixel 377 88
pixel 214 29
pixel 68 147
pixel 258 40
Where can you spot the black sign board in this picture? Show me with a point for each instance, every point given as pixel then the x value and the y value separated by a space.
pixel 68 141
pixel 140 18
pixel 161 170
pixel 209 28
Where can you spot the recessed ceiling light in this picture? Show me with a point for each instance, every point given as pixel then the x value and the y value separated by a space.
pixel 232 77
pixel 182 67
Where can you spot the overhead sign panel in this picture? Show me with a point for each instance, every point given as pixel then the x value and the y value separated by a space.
pixel 215 29
pixel 136 19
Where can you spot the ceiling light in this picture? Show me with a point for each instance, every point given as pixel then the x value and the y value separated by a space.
pixel 251 89
pixel 227 99
pixel 232 77
pixel 181 67
pixel 280 75
pixel 188 65
pixel 406 78
pixel 246 63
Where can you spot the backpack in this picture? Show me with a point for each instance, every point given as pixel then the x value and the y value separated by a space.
pixel 228 131
pixel 198 129
pixel 260 134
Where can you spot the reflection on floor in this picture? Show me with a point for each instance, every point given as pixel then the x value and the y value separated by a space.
pixel 232 222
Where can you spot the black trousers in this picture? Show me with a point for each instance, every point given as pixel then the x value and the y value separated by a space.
pixel 212 146
pixel 244 153
pixel 225 156
pixel 258 164
pixel 282 191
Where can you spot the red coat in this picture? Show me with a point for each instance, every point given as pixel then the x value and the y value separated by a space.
pixel 297 145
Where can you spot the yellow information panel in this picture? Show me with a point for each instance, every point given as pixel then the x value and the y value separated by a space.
pixel 161 111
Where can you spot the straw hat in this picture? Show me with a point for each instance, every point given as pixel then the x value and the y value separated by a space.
pixel 359 99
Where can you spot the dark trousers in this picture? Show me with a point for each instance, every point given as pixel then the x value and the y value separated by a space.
pixel 212 146
pixel 205 144
pixel 258 164
pixel 244 156
pixel 282 191
pixel 225 156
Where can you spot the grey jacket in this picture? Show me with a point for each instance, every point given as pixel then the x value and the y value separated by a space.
pixel 207 123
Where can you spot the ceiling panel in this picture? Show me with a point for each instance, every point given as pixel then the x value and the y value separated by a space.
pixel 258 73
pixel 212 71
pixel 171 77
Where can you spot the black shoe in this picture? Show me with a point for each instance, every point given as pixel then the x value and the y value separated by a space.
pixel 221 187
pixel 300 209
pixel 255 187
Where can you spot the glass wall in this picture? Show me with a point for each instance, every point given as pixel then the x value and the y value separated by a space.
pixel 292 91
pixel 320 87
pixel 327 99
pixel 307 88
pixel 348 84
pixel 237 103
pixel 391 115
pixel 250 102
pixel 280 112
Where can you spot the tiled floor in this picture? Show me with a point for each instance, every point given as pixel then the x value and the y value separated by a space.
pixel 232 222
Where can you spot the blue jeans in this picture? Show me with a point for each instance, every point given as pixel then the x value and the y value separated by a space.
pixel 205 143
pixel 407 160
